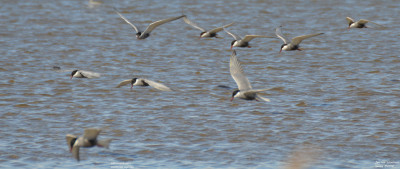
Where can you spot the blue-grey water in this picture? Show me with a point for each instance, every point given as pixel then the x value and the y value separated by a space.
pixel 339 96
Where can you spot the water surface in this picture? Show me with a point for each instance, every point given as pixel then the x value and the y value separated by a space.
pixel 339 95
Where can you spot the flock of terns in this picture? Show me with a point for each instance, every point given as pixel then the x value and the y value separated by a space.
pixel 244 91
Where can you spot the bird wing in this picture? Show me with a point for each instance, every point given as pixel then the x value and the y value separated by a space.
pixel 236 37
pixel 363 21
pixel 377 24
pixel 89 74
pixel 280 35
pixel 297 40
pixel 123 83
pixel 75 152
pixel 258 90
pixel 219 29
pixel 91 133
pixel 155 24
pixel 156 85
pixel 69 138
pixel 248 38
pixel 193 24
pixel 127 21
pixel 237 73
pixel 349 20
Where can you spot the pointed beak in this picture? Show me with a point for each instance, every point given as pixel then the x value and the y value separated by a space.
pixel 71 77
pixel 280 50
pixel 231 47
pixel 232 98
pixel 131 86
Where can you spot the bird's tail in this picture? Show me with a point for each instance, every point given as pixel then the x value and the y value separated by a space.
pixel 104 143
pixel 262 98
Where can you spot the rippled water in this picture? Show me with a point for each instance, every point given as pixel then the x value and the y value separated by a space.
pixel 340 95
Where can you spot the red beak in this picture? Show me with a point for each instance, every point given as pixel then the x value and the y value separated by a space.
pixel 232 98
pixel 131 86
pixel 71 77
pixel 231 47
pixel 280 50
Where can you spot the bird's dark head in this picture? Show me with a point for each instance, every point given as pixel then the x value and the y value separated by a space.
pixel 234 94
pixel 138 34
pixel 233 42
pixel 283 45
pixel 71 144
pixel 133 81
pixel 73 73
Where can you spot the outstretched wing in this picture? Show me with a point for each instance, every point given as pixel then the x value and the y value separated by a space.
pixel 280 35
pixel 248 38
pixel 91 133
pixel 154 25
pixel 156 85
pixel 297 40
pixel 237 73
pixel 236 37
pixel 219 29
pixel 75 152
pixel 363 21
pixel 123 83
pixel 258 90
pixel 377 24
pixel 193 24
pixel 127 21
pixel 349 20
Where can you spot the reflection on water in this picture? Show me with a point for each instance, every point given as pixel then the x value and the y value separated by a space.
pixel 340 94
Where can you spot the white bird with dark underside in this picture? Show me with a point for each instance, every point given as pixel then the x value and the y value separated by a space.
pixel 204 32
pixel 295 43
pixel 245 91
pixel 359 24
pixel 89 139
pixel 146 33
pixel 144 82
pixel 243 42
pixel 84 74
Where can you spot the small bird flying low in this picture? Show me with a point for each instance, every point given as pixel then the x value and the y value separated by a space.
pixel 295 43
pixel 245 90
pixel 359 24
pixel 204 32
pixel 89 139
pixel 144 82
pixel 146 33
pixel 243 42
